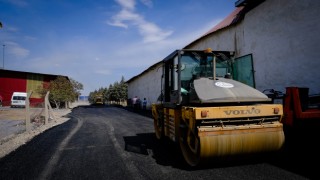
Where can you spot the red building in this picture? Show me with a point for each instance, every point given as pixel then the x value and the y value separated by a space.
pixel 18 81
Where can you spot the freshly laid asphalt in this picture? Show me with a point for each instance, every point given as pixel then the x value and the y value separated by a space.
pixel 117 143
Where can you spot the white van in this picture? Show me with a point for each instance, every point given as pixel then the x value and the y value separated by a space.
pixel 18 99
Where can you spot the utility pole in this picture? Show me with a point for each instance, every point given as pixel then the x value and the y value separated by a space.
pixel 3 48
pixel 3 57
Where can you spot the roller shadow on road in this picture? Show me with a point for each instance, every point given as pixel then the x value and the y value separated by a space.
pixel 163 151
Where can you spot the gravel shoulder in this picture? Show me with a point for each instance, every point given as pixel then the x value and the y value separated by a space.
pixel 12 127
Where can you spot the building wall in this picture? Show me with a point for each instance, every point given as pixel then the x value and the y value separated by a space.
pixel 33 82
pixel 282 37
pixel 284 41
pixel 147 86
pixel 17 81
pixel 9 83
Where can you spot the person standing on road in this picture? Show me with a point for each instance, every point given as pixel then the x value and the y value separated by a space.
pixel 144 104
pixel 138 104
pixel 134 102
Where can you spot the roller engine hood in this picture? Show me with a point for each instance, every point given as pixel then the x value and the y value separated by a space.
pixel 222 90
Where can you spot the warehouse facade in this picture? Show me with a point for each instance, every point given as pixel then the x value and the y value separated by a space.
pixel 278 38
pixel 19 81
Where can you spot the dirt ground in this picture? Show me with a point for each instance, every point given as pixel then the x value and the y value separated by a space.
pixel 13 132
pixel 12 113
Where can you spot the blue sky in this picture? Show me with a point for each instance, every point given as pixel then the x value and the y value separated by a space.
pixel 96 42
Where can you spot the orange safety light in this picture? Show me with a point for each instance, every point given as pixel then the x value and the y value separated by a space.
pixel 208 50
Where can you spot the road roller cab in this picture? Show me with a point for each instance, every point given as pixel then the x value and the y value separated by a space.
pixel 210 114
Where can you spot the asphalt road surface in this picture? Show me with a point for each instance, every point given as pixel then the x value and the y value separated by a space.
pixel 114 143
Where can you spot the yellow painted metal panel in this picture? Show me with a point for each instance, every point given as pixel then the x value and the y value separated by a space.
pixel 33 82
pixel 239 111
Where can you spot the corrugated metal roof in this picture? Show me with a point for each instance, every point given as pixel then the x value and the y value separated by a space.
pixel 145 71
pixel 228 21
pixel 13 71
pixel 231 19
pixel 242 7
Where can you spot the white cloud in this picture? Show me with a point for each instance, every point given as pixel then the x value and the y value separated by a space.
pixel 10 28
pixel 15 49
pixel 152 32
pixel 148 30
pixel 20 3
pixel 124 15
pixel 147 3
pixel 143 55
pixel 30 38
pixel 127 4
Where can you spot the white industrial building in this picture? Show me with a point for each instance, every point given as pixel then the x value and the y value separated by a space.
pixel 279 38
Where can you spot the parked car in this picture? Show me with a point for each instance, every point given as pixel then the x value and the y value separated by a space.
pixel 18 99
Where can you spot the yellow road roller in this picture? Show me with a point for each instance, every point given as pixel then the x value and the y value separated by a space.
pixel 209 112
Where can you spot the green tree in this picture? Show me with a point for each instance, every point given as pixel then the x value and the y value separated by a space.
pixel 123 90
pixel 108 92
pixel 77 87
pixel 62 90
pixel 116 92
pixel 91 97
